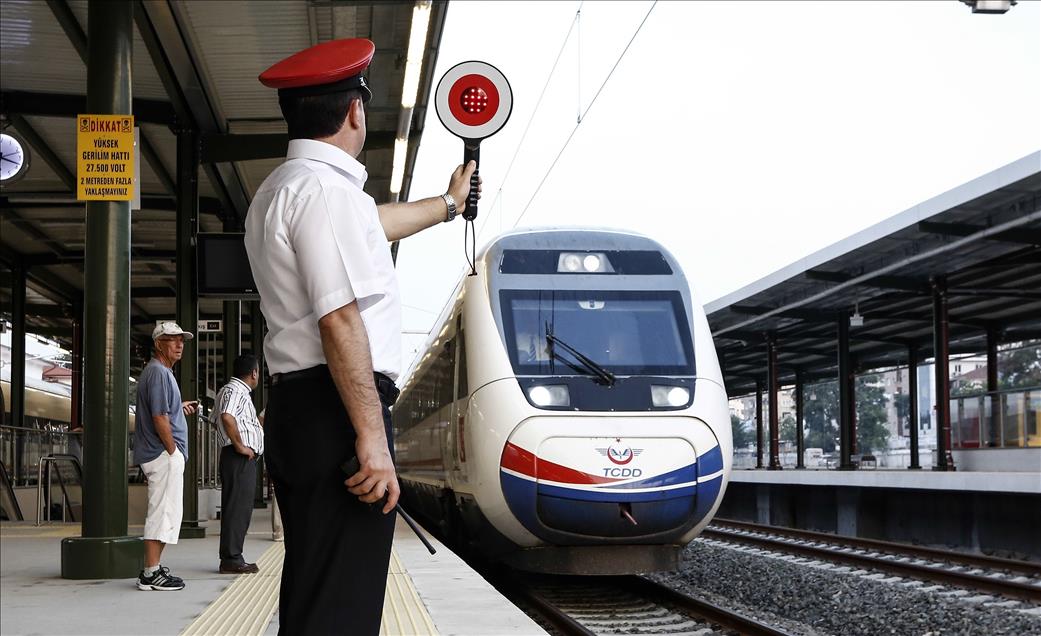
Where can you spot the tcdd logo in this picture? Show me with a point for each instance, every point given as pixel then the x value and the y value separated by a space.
pixel 622 472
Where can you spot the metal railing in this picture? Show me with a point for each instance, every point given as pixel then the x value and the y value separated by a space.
pixel 66 501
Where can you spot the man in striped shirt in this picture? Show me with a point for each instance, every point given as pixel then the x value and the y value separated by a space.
pixel 242 441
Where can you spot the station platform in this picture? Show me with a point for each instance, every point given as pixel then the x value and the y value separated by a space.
pixel 963 481
pixel 989 512
pixel 426 594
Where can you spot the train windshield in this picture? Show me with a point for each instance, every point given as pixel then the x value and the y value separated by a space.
pixel 625 332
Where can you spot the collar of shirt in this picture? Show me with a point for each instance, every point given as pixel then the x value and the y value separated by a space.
pixel 242 385
pixel 330 154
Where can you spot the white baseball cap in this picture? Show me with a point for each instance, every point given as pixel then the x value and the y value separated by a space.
pixel 170 328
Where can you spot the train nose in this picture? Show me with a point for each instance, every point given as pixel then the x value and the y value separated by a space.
pixel 625 486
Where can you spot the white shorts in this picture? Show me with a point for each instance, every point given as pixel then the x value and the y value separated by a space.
pixel 165 488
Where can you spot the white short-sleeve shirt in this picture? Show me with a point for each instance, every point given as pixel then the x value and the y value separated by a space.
pixel 315 244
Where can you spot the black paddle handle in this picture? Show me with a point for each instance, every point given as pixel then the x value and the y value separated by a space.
pixel 472 152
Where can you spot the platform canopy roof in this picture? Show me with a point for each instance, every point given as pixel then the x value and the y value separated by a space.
pixel 195 65
pixel 983 238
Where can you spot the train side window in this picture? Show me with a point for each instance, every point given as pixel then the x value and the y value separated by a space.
pixel 462 390
pixel 443 371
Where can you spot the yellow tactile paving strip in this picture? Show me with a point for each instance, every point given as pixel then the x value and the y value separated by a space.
pixel 403 611
pixel 247 605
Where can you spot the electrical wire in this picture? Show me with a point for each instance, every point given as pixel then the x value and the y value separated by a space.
pixel 584 115
pixel 531 119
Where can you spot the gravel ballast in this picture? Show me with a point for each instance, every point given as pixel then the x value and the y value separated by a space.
pixel 814 598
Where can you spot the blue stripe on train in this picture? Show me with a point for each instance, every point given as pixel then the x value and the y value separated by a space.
pixel 522 494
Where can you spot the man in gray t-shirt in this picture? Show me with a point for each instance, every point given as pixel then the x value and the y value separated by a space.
pixel 161 449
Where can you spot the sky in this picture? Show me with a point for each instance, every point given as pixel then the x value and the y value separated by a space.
pixel 742 136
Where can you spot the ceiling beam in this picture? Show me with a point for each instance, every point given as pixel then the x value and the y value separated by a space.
pixel 994 292
pixel 45 200
pixel 900 283
pixel 810 315
pixel 1029 236
pixel 79 257
pixel 148 111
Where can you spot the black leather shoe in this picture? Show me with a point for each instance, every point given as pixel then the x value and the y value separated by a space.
pixel 239 568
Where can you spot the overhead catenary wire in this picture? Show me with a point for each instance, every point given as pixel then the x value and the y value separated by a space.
pixel 527 127
pixel 585 114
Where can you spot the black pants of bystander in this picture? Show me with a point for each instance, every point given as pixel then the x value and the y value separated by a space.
pixel 238 476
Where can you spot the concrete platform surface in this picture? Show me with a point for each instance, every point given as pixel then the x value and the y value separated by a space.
pixel 427 594
pixel 1022 482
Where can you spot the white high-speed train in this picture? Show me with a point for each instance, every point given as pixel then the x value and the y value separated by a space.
pixel 568 413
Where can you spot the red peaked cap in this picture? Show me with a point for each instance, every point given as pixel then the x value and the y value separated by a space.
pixel 328 67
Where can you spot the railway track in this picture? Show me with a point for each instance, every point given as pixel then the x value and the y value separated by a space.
pixel 630 605
pixel 1014 579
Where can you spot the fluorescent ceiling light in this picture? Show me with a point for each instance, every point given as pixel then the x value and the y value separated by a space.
pixel 397 174
pixel 417 40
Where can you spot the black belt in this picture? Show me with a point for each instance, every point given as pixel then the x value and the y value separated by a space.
pixel 384 385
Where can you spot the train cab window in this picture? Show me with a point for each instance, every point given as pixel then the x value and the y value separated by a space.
pixel 627 332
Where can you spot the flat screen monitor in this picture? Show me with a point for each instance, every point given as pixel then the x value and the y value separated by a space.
pixel 224 267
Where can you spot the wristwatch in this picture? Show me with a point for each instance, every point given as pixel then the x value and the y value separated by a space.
pixel 450 202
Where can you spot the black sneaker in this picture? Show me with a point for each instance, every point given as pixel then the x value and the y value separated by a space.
pixel 161 581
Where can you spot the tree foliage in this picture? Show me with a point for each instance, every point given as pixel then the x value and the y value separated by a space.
pixel 742 435
pixel 872 419
pixel 788 429
pixel 821 425
pixel 821 414
pixel 1020 366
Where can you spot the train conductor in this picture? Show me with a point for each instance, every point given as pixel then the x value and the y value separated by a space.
pixel 318 246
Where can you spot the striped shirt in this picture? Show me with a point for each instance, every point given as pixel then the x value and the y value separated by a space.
pixel 234 399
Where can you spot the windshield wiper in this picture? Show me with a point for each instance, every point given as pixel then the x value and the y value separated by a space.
pixel 591 366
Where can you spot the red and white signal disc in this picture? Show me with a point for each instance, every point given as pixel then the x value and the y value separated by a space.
pixel 473 100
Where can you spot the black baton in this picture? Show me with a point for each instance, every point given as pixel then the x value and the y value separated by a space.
pixel 352 466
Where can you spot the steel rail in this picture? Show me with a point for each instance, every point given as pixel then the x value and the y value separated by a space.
pixel 551 613
pixel 979 560
pixel 1013 589
pixel 701 609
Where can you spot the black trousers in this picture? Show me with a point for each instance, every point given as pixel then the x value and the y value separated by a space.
pixel 337 548
pixel 238 476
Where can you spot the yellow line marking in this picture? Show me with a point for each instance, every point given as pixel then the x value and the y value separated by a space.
pixel 246 606
pixel 403 610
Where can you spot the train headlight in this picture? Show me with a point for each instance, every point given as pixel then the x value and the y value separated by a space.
pixel 669 395
pixel 584 263
pixel 550 395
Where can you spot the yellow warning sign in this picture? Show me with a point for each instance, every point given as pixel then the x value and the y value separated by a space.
pixel 105 157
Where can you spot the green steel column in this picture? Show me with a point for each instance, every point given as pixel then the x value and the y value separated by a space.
pixel 188 316
pixel 18 348
pixel 256 347
pixel 76 416
pixel 105 550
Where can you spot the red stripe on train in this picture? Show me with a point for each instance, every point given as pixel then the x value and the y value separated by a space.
pixel 525 462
